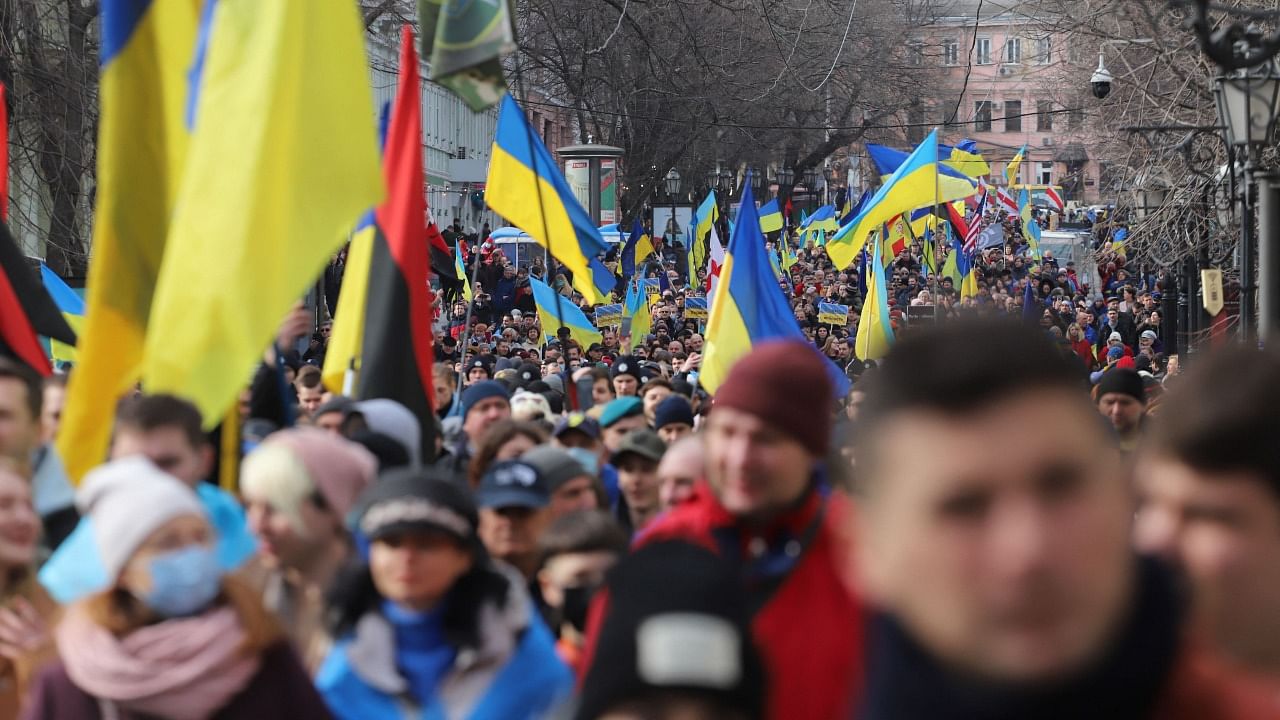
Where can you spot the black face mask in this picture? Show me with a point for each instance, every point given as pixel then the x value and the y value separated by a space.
pixel 576 602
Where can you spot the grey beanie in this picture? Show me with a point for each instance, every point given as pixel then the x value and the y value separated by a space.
pixel 128 499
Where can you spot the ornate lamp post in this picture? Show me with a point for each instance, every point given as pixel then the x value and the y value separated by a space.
pixel 672 182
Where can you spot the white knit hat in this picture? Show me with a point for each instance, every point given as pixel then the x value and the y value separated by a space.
pixel 128 499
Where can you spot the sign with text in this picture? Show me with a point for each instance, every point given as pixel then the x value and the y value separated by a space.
pixel 695 308
pixel 833 314
pixel 609 316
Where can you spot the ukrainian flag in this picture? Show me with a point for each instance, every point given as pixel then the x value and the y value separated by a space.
pixel 823 220
pixel 1030 227
pixel 641 322
pixel 526 187
pixel 70 305
pixel 547 301
pixel 916 182
pixel 952 183
pixel 748 306
pixel 283 154
pixel 639 247
pixel 708 213
pixel 770 217
pixel 1011 171
pixel 142 143
pixel 461 270
pixel 965 157
pixel 346 342
pixel 875 330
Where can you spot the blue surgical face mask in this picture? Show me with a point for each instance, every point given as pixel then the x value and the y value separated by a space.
pixel 589 460
pixel 184 581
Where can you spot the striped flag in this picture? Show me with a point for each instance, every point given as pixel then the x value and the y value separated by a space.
pixel 1007 203
pixel 1054 199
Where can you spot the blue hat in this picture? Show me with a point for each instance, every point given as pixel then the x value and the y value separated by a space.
pixel 481 391
pixel 580 422
pixel 674 409
pixel 513 483
pixel 621 408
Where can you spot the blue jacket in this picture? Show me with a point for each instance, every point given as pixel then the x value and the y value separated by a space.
pixel 75 568
pixel 514 674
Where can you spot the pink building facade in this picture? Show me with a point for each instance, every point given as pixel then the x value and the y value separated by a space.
pixel 1016 84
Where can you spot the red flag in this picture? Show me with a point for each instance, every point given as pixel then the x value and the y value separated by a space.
pixel 4 155
pixel 400 300
pixel 26 310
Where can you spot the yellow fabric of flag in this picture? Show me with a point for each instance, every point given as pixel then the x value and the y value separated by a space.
pixel 346 341
pixel 282 157
pixel 142 145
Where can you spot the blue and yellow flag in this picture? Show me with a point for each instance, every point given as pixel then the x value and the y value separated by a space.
pixel 706 216
pixel 964 157
pixel 638 248
pixel 770 217
pixel 914 184
pixel 276 152
pixel 875 330
pixel 70 305
pixel 526 187
pixel 461 269
pixel 822 220
pixel 346 341
pixel 1030 228
pixel 748 306
pixel 547 302
pixel 641 323
pixel 142 142
pixel 1011 171
pixel 952 184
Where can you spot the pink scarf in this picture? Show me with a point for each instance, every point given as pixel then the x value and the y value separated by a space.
pixel 183 669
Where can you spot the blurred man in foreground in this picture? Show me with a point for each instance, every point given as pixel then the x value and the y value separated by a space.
pixel 1008 590
pixel 1210 480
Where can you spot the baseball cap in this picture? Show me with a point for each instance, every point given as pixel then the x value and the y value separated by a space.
pixel 577 422
pixel 513 483
pixel 644 443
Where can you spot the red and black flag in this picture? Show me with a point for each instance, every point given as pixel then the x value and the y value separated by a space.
pixel 398 353
pixel 26 310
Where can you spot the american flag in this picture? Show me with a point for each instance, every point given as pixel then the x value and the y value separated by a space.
pixel 975 227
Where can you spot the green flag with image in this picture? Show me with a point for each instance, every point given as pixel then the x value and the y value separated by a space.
pixel 465 41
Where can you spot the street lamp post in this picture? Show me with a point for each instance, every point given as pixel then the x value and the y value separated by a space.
pixel 673 189
pixel 785 177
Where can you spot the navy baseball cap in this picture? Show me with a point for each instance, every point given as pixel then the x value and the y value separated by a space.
pixel 512 483
pixel 579 422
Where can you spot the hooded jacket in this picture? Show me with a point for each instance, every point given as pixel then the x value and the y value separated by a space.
pixel 512 674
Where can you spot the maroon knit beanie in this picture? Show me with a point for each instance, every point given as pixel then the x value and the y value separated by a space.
pixel 784 383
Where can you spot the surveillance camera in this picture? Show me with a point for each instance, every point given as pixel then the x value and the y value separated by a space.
pixel 1101 80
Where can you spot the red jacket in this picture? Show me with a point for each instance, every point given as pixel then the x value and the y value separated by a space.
pixel 810 629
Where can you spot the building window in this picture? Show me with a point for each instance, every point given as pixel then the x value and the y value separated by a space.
pixel 915 53
pixel 1013 50
pixel 982 116
pixel 950 51
pixel 1044 116
pixel 983 50
pixel 1044 51
pixel 1044 176
pixel 1013 116
pixel 1075 118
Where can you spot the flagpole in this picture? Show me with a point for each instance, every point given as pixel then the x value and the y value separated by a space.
pixel 937 170
pixel 466 327
pixel 571 390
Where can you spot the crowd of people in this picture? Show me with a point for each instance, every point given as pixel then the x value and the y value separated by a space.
pixel 1024 510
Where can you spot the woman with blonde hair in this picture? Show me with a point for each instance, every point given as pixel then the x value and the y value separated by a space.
pixel 172 637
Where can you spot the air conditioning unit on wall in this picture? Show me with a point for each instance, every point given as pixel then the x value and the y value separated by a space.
pixel 1005 71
